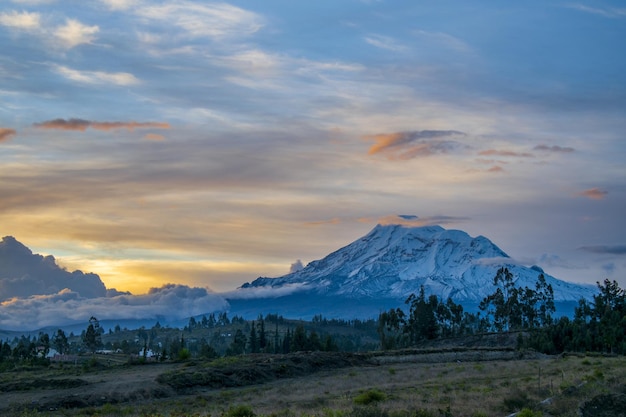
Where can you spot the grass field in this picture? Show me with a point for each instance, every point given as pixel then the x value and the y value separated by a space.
pixel 447 383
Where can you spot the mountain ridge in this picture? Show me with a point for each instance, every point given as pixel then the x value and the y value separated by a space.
pixel 393 261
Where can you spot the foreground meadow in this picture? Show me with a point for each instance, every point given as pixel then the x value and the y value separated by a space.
pixel 420 384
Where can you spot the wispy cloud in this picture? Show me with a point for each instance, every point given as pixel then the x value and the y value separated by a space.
pixel 408 145
pixel 82 125
pixel 553 148
pixel 606 249
pixel 413 220
pixel 610 12
pixel 445 40
pixel 6 134
pixel 594 193
pixel 504 152
pixel 65 36
pixel 154 136
pixel 33 2
pixel 119 4
pixel 74 33
pixel 21 20
pixel 213 20
pixel 97 77
pixel 385 42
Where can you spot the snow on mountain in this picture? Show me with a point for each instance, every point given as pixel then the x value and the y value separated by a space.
pixel 393 261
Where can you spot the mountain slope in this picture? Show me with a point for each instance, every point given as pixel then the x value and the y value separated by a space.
pixel 393 261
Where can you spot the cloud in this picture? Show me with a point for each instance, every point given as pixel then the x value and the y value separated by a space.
pixel 554 148
pixel 408 145
pixel 385 42
pixel 296 266
pixel 213 20
pixel 154 136
pixel 446 40
pixel 496 152
pixel 415 221
pixel 21 20
pixel 6 134
pixel 23 273
pixel 606 249
pixel 97 77
pixel 82 125
pixel 610 12
pixel 248 292
pixel 496 168
pixel 119 4
pixel 74 33
pixel 497 260
pixel 172 302
pixel 594 193
pixel 33 2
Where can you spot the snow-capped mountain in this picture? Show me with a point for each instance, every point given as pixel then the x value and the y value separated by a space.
pixel 393 261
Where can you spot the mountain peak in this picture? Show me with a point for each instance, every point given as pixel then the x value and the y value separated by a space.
pixel 395 260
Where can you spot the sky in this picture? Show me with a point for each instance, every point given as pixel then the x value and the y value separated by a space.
pixel 209 143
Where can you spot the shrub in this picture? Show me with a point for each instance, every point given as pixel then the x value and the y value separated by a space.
pixel 369 397
pixel 240 411
pixel 184 354
pixel 516 401
pixel 527 412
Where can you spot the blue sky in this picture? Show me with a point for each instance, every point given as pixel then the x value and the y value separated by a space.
pixel 208 143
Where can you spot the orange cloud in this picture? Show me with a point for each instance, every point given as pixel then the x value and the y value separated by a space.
pixel 6 134
pixel 408 145
pixel 594 193
pixel 82 125
pixel 154 136
pixel 496 152
pixel 496 168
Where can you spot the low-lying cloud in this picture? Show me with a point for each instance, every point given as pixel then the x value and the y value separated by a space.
pixel 413 144
pixel 82 125
pixel 172 302
pixel 35 292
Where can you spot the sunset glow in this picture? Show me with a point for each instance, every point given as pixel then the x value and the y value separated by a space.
pixel 210 143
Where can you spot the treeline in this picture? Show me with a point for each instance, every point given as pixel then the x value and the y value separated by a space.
pixel 598 325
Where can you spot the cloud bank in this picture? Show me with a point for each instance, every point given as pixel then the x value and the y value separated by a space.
pixel 35 292
pixel 172 302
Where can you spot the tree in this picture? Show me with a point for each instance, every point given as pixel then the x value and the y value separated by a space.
pixel 421 323
pixel 92 339
pixel 299 341
pixel 262 335
pixel 43 343
pixel 238 345
pixel 253 341
pixel 389 328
